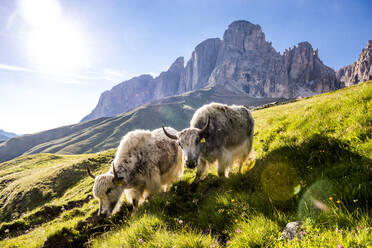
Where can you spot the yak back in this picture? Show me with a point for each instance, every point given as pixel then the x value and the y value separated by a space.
pixel 142 152
pixel 229 125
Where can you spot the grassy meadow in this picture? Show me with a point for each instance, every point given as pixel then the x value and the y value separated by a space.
pixel 313 164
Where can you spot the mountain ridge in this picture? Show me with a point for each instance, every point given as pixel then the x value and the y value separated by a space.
pixel 360 70
pixel 242 61
pixel 6 135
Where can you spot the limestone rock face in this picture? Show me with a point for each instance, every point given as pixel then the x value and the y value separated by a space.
pixel 168 83
pixel 249 64
pixel 124 97
pixel 242 62
pixel 307 73
pixel 201 64
pixel 360 70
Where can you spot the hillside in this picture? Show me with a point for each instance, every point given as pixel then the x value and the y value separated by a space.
pixel 6 135
pixel 105 133
pixel 313 164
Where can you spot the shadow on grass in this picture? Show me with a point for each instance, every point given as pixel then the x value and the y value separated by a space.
pixel 278 182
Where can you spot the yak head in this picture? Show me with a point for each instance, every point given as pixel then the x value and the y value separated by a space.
pixel 108 189
pixel 191 141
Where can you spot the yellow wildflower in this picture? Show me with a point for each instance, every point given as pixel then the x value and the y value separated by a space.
pixel 338 201
pixel 330 198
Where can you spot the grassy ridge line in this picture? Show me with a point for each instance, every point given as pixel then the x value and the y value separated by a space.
pixel 105 133
pixel 322 141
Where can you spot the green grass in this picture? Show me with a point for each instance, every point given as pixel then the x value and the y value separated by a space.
pixel 313 164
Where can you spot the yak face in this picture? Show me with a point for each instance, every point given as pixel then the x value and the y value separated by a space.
pixel 190 141
pixel 107 192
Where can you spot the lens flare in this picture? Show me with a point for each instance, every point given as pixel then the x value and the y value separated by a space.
pixel 280 182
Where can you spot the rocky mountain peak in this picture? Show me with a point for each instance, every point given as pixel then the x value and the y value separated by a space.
pixel 360 70
pixel 177 65
pixel 245 36
pixel 369 44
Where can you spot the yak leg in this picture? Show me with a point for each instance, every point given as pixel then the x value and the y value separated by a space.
pixel 153 185
pixel 135 195
pixel 201 170
pixel 224 164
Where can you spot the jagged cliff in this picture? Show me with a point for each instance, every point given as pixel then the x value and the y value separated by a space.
pixel 360 70
pixel 242 62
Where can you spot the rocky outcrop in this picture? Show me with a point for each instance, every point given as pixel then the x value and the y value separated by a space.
pixel 307 73
pixel 123 97
pixel 249 64
pixel 201 64
pixel 137 91
pixel 360 70
pixel 242 62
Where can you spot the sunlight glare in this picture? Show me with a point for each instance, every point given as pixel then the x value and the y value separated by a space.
pixel 40 13
pixel 53 44
pixel 58 49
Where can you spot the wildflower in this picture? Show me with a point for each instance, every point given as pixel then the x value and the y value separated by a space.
pixel 230 234
pixel 303 233
pixel 355 201
pixel 140 241
pixel 221 210
pixel 238 230
pixel 228 242
pixel 174 219
pixel 330 198
pixel 213 245
pixel 232 200
pixel 6 230
pixel 338 201
pixel 340 246
pixel 206 230
pixel 180 222
pixel 236 220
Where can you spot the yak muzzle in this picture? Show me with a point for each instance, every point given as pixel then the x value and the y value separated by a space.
pixel 191 164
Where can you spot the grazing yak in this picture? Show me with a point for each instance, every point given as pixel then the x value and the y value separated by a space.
pixel 145 163
pixel 219 133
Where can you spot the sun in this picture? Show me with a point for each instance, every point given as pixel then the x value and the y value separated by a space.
pixel 53 43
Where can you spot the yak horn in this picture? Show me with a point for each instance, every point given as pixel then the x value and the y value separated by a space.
pixel 113 169
pixel 206 126
pixel 169 135
pixel 90 173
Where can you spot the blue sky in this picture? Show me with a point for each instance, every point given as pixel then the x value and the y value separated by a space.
pixel 57 57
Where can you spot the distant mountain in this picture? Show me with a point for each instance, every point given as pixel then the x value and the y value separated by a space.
pixel 6 135
pixel 242 62
pixel 105 133
pixel 360 70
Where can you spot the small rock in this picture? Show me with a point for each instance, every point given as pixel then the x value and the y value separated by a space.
pixel 293 230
